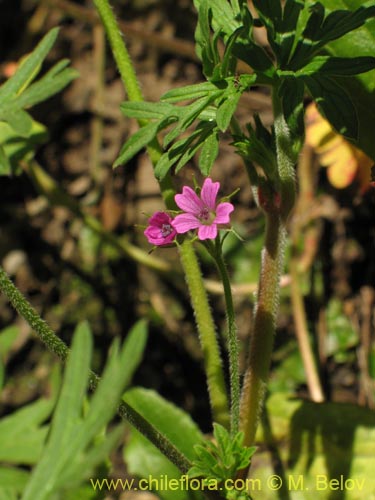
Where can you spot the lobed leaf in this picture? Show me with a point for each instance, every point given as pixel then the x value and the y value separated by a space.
pixel 50 84
pixel 288 28
pixel 338 66
pixel 183 150
pixel 26 70
pixel 137 141
pixel 321 29
pixel 339 23
pixel 334 103
pixel 191 113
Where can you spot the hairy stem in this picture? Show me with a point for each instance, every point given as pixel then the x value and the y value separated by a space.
pixel 133 89
pixel 233 348
pixel 258 365
pixel 207 334
pixel 259 360
pixel 190 264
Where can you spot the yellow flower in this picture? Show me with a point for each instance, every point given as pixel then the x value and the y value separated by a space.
pixel 345 163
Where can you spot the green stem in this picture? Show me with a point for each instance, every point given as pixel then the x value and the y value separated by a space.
pixel 233 348
pixel 207 334
pixel 257 372
pixel 120 53
pixel 26 311
pixel 58 347
pixel 201 308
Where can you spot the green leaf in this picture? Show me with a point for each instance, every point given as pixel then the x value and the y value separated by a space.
pixel 361 88
pixel 136 142
pixel 339 23
pixel 144 460
pixel 5 166
pixel 20 121
pixel 191 113
pixel 226 110
pixel 335 104
pixel 13 479
pixel 207 48
pixel 16 148
pixel 195 91
pixel 74 449
pixel 8 336
pixel 146 110
pixel 26 70
pixel 338 66
pixel 209 153
pixel 292 94
pixel 171 421
pixel 48 85
pixel 256 57
pixel 258 148
pixel 120 368
pixel 288 28
pixel 269 10
pixel 321 28
pixel 222 458
pixel 271 15
pixel 223 16
pixel 22 434
pixel 183 150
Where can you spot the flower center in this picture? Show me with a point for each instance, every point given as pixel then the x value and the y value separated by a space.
pixel 206 216
pixel 166 230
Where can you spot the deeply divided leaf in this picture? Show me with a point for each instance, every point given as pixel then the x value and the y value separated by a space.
pixel 26 70
pixel 335 104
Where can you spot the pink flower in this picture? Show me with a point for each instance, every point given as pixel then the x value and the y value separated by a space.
pixel 202 212
pixel 160 230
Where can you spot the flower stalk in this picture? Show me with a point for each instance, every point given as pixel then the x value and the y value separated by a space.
pixel 207 334
pixel 233 347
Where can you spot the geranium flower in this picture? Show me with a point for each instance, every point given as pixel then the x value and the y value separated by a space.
pixel 160 230
pixel 202 212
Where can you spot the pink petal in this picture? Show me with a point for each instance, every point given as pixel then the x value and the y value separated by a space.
pixel 158 229
pixel 185 222
pixel 207 232
pixel 209 193
pixel 154 236
pixel 222 213
pixel 189 201
pixel 159 218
